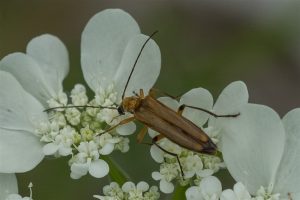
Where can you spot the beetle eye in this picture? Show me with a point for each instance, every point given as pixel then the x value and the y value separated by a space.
pixel 121 110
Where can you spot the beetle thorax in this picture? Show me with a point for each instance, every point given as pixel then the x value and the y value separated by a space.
pixel 130 104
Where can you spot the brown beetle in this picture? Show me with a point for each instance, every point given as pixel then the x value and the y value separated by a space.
pixel 159 117
pixel 170 124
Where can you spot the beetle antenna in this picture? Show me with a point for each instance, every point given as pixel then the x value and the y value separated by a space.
pixel 136 60
pixel 101 107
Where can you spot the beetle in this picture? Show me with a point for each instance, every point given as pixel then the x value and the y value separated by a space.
pixel 170 124
pixel 157 116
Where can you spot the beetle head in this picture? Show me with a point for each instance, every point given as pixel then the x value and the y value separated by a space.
pixel 130 104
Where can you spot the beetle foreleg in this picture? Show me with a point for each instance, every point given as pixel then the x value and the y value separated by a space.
pixel 183 106
pixel 124 121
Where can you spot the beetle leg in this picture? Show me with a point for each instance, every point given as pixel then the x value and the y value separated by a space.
pixel 140 136
pixel 172 154
pixel 183 106
pixel 124 121
pixel 155 90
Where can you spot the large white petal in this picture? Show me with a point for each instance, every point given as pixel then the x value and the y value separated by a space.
pixel 193 193
pixel 231 99
pixel 99 168
pixel 128 186
pixel 18 109
pixel 52 58
pixel 147 68
pixel 288 175
pixel 28 72
pixel 211 186
pixel 103 42
pixel 8 185
pixel 107 149
pixel 228 195
pixel 20 151
pixel 157 154
pixel 166 187
pixel 169 102
pixel 143 186
pixel 200 98
pixel 252 146
pixel 126 129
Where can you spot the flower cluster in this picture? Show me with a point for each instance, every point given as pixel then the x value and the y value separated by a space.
pixel 211 188
pixel 39 114
pixel 38 118
pixel 79 129
pixel 129 191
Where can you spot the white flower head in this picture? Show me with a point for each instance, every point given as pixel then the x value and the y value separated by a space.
pixel 135 191
pixel 107 143
pixel 87 160
pixel 194 166
pixel 239 192
pixel 62 142
pixel 210 188
pixel 168 172
pixel 73 116
pixel 78 95
pixel 129 191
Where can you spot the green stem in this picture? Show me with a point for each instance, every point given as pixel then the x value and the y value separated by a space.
pixel 116 173
pixel 179 192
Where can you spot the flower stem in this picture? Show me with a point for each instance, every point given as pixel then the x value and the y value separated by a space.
pixel 116 173
pixel 179 192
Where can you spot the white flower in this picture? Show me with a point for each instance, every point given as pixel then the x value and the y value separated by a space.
pixel 20 148
pixel 110 44
pixel 111 192
pixel 62 142
pixel 260 150
pixel 123 145
pixel 42 69
pixel 193 165
pixel 213 163
pixel 78 95
pixel 107 143
pixel 210 188
pixel 135 192
pixel 87 160
pixel 73 116
pixel 239 192
pixel 168 172
pixel 129 191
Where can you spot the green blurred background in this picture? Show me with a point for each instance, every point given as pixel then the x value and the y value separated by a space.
pixel 203 44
